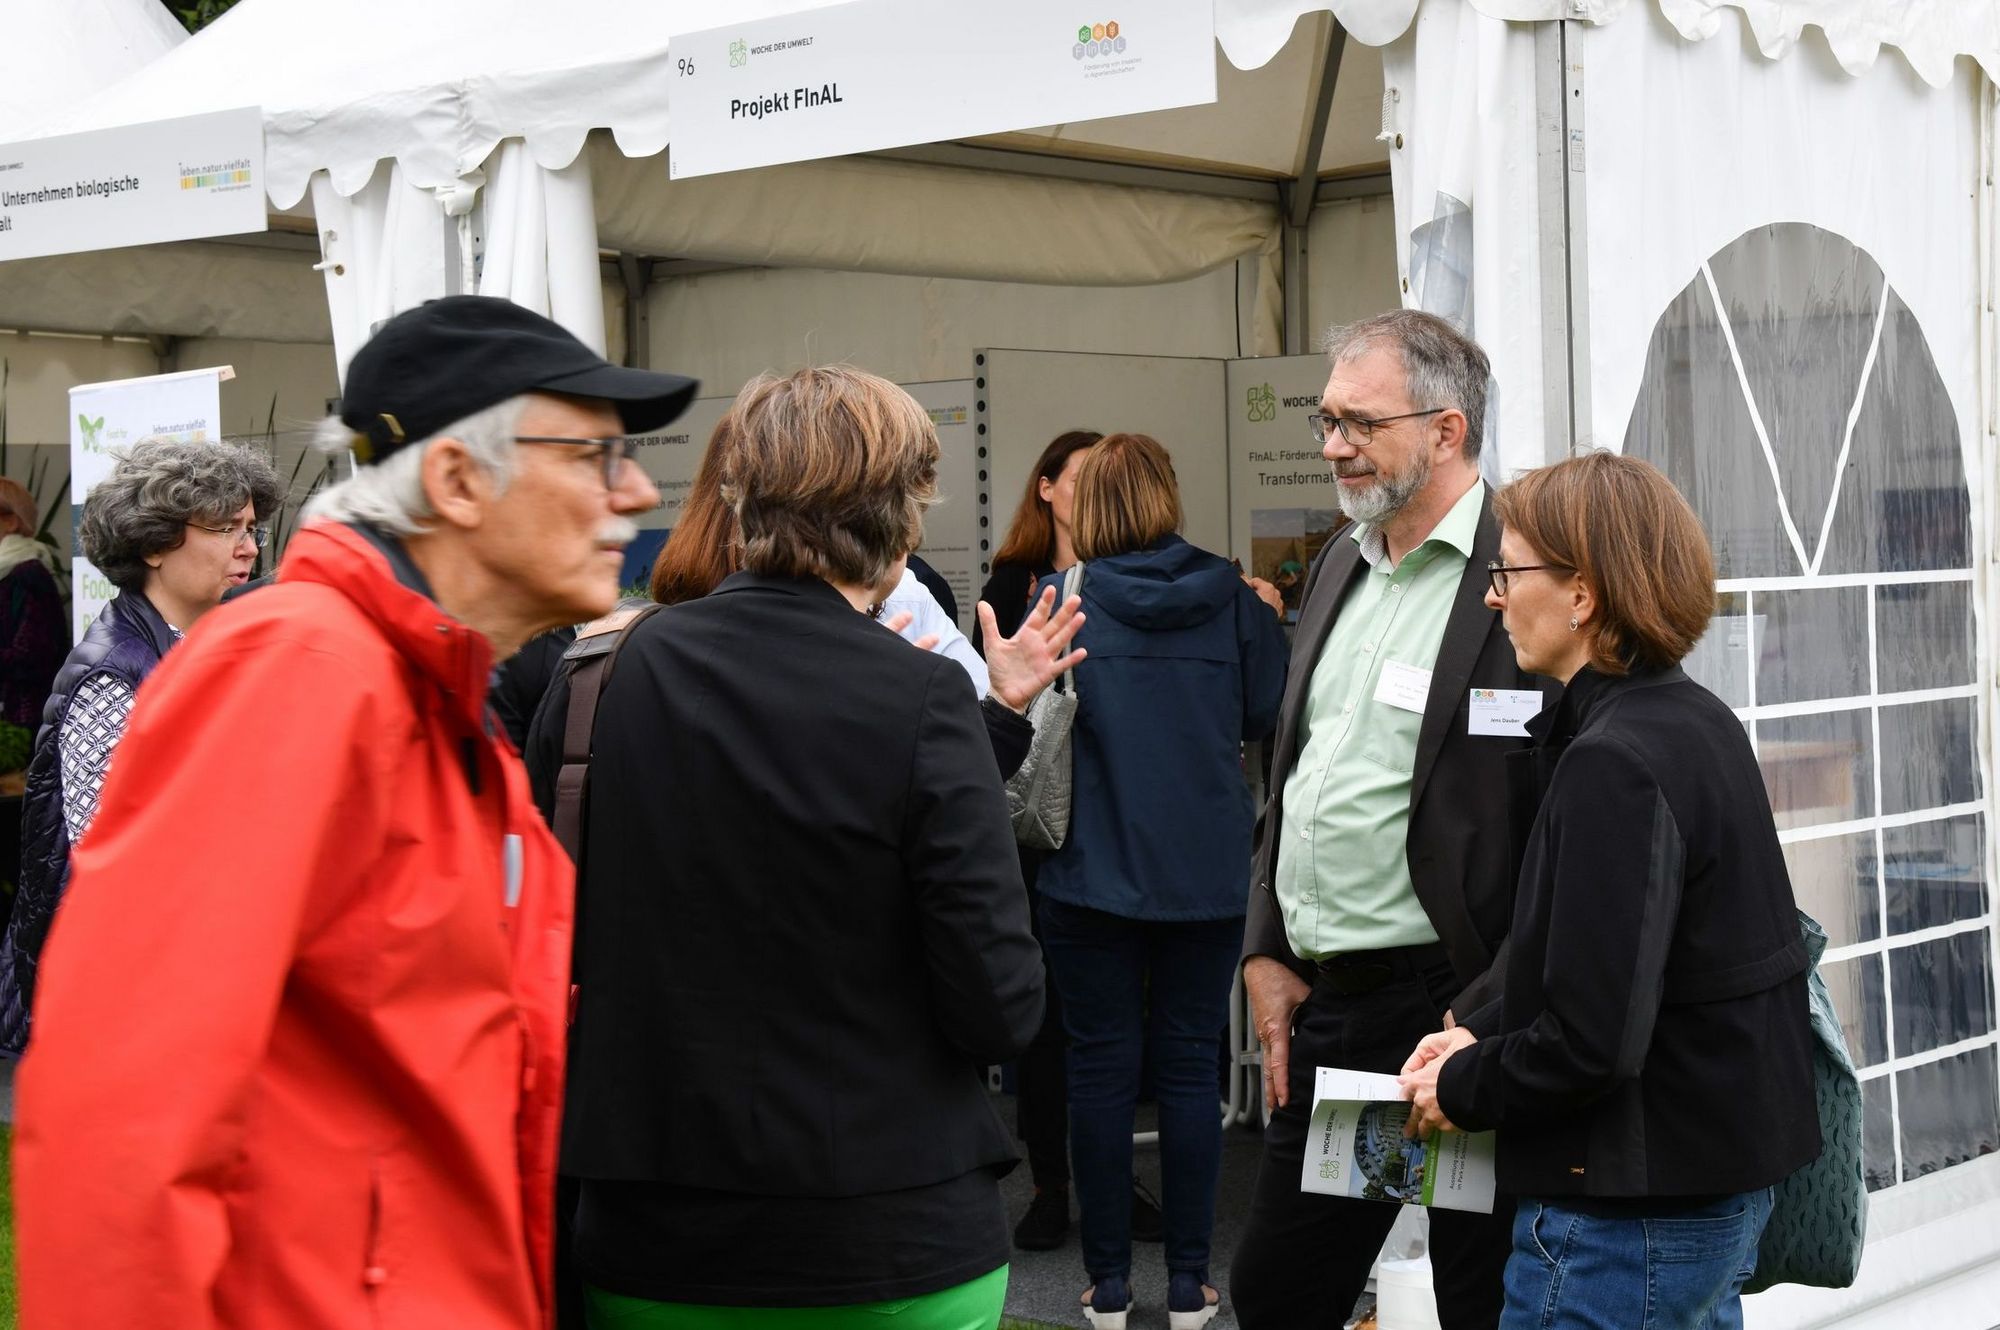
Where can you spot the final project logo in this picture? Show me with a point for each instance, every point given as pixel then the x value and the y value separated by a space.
pixel 1095 39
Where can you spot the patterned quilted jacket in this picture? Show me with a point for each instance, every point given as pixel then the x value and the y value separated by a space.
pixel 126 641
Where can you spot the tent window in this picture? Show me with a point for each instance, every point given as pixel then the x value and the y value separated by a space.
pixel 1791 395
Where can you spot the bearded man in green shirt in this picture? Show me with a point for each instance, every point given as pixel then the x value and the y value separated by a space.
pixel 1385 870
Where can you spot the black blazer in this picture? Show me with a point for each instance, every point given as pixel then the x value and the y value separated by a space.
pixel 1466 822
pixel 1653 1038
pixel 806 934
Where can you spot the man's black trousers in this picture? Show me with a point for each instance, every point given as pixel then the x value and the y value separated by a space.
pixel 1305 1257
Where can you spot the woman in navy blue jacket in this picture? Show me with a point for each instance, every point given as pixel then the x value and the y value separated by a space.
pixel 1142 908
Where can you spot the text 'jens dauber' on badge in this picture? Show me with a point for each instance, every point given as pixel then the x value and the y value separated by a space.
pixel 1502 711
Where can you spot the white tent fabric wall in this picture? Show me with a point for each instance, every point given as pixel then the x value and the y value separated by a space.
pixel 512 228
pixel 1459 107
pixel 1780 256
pixel 194 288
pixel 724 327
pixel 1930 35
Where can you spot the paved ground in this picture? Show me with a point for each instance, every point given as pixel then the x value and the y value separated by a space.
pixel 1043 1287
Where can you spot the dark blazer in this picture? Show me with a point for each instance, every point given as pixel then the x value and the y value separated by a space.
pixel 1653 1038
pixel 805 933
pixel 1467 823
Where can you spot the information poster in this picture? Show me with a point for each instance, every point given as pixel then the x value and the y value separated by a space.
pixel 951 527
pixel 200 175
pixel 1283 498
pixel 108 417
pixel 877 74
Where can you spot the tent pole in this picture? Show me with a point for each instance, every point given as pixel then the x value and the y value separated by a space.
pixel 1559 159
pixel 1298 196
pixel 636 276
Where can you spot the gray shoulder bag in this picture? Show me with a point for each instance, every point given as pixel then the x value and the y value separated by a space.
pixel 1038 795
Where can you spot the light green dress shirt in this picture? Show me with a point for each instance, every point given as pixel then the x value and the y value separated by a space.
pixel 1343 875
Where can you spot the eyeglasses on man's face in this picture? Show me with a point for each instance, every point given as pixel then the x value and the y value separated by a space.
pixel 237 532
pixel 613 451
pixel 1358 430
pixel 1497 573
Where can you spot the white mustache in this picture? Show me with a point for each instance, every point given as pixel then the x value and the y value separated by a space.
pixel 1350 469
pixel 618 531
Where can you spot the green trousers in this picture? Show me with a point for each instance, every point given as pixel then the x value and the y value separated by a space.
pixel 973 1305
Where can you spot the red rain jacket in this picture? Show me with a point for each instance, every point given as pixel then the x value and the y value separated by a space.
pixel 298 1053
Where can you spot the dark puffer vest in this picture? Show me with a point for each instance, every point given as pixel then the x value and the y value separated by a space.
pixel 125 641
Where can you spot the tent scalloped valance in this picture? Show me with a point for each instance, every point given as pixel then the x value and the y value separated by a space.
pixel 1931 34
pixel 466 75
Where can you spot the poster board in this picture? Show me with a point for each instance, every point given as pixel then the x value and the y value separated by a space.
pixel 951 527
pixel 114 415
pixel 1026 398
pixel 1283 505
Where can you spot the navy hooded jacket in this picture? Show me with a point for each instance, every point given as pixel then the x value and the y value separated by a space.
pixel 1185 665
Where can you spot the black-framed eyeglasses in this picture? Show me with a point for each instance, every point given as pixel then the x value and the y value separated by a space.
pixel 236 533
pixel 1357 430
pixel 1497 573
pixel 613 451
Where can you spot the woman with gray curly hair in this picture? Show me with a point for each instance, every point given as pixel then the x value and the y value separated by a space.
pixel 173 527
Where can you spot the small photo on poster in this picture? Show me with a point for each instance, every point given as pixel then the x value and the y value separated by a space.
pixel 1283 544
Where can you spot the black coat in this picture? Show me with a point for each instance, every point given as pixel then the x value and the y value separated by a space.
pixel 805 934
pixel 1652 1039
pixel 1467 822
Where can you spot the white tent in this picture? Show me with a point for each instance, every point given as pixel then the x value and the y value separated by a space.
pixel 51 55
pixel 477 116
pixel 1737 237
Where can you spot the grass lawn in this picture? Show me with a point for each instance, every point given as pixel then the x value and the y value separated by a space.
pixel 8 1314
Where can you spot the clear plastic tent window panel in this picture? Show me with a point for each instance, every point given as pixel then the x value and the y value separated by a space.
pixel 1791 395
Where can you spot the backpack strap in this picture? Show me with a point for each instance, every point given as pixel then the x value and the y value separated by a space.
pixel 591 659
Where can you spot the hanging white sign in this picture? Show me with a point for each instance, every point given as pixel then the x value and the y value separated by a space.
pixel 879 74
pixel 200 175
pixel 108 417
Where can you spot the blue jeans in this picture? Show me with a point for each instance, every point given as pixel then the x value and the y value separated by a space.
pixel 1681 1271
pixel 1134 988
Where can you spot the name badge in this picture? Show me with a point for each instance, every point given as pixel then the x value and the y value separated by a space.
pixel 1404 687
pixel 1503 711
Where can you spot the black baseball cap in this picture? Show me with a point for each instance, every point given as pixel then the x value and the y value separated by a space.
pixel 448 358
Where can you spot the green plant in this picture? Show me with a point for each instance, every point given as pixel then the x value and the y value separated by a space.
pixel 199 15
pixel 17 744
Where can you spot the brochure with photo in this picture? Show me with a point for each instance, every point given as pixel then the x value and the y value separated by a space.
pixel 1355 1147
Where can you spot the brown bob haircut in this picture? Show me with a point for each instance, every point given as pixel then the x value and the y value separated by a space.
pixel 1031 537
pixel 1126 497
pixel 702 550
pixel 830 475
pixel 1637 545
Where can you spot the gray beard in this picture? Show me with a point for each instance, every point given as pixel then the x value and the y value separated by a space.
pixel 1385 498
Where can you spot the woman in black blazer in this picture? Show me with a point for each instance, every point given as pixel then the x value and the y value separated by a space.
pixel 1648 1064
pixel 807 935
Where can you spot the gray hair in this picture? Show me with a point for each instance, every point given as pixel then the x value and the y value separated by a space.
pixel 156 488
pixel 390 494
pixel 1442 367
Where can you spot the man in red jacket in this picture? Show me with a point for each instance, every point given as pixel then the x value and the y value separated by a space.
pixel 298 1054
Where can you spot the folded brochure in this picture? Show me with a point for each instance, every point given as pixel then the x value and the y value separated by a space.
pixel 1355 1147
